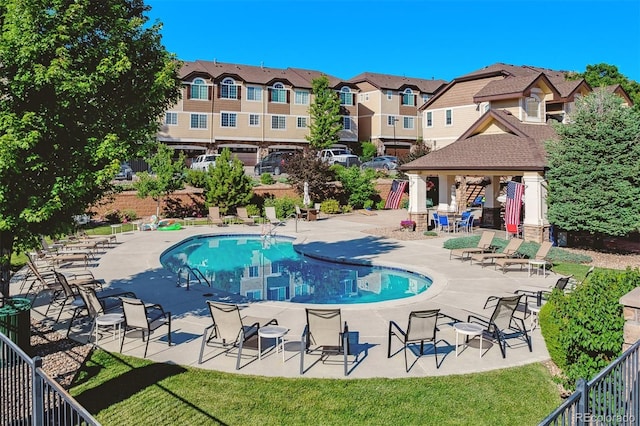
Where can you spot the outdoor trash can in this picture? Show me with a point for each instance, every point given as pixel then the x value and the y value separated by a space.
pixel 15 322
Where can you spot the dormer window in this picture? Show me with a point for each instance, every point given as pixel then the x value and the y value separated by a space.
pixel 408 98
pixel 278 93
pixel 532 108
pixel 199 89
pixel 346 97
pixel 228 89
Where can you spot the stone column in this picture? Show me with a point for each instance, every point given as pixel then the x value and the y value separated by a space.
pixel 631 309
pixel 418 211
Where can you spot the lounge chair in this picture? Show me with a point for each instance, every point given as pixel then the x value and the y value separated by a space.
pixel 422 327
pixel 70 290
pixel 503 324
pixel 510 251
pixel 214 216
pixel 270 213
pixel 562 284
pixel 60 259
pixel 145 318
pixel 540 255
pixel 98 303
pixel 300 214
pixel 484 246
pixel 325 334
pixel 151 225
pixel 230 329
pixel 243 216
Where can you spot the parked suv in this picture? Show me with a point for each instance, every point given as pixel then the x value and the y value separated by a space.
pixel 339 156
pixel 273 163
pixel 204 161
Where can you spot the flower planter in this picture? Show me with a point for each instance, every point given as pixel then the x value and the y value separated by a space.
pixel 408 225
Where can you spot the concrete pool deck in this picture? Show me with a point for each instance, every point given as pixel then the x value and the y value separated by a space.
pixel 458 289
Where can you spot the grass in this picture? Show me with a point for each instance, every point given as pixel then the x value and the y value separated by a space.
pixel 121 390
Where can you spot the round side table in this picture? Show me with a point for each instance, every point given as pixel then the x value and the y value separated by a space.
pixel 468 329
pixel 272 332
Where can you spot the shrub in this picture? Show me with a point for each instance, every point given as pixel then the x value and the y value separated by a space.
pixel 113 216
pixel 368 204
pixel 129 215
pixel 380 205
pixel 404 204
pixel 590 323
pixel 346 208
pixel 369 150
pixel 266 179
pixel 358 184
pixel 285 206
pixel 430 233
pixel 253 210
pixel 196 178
pixel 330 206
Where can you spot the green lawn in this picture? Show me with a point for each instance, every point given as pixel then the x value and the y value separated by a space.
pixel 121 390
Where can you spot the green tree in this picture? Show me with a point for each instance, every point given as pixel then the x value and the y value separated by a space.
pixel 82 83
pixel 227 184
pixel 326 121
pixel 168 175
pixel 369 150
pixel 306 166
pixel 358 185
pixel 601 75
pixel 594 172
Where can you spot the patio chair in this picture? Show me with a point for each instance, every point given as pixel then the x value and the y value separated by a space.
pixel 445 223
pixel 503 324
pixel 325 334
pixel 70 288
pixel 270 213
pixel 243 216
pixel 144 317
pixel 230 329
pixel 98 303
pixel 436 222
pixel 213 218
pixel 465 223
pixel 510 251
pixel 484 246
pixel 300 214
pixel 540 295
pixel 422 327
pixel 540 255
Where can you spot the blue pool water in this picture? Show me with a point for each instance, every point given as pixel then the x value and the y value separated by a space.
pixel 258 268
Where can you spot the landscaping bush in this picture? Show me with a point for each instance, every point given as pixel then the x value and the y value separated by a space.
pixel 584 329
pixel 196 178
pixel 380 205
pixel 330 206
pixel 253 210
pixel 358 184
pixel 266 179
pixel 285 206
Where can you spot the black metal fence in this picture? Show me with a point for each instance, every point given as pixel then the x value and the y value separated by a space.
pixel 610 398
pixel 30 397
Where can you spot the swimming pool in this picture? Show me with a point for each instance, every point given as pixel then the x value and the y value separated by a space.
pixel 259 268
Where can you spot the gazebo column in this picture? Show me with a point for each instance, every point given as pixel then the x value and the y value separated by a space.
pixel 444 191
pixel 491 207
pixel 418 211
pixel 535 224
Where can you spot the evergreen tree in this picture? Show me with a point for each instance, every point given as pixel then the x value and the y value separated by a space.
pixel 227 184
pixel 167 175
pixel 601 75
pixel 82 83
pixel 326 121
pixel 594 168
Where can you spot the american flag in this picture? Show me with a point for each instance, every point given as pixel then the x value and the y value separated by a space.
pixel 395 195
pixel 513 206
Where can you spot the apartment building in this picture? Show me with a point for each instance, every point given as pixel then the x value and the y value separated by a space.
pixel 388 110
pixel 252 110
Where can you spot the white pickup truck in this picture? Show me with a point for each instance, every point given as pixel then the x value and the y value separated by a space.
pixel 339 156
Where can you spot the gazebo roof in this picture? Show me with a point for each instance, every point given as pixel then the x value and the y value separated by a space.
pixel 498 141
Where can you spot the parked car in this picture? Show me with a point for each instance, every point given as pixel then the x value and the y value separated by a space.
pixel 125 173
pixel 273 163
pixel 204 161
pixel 339 156
pixel 384 162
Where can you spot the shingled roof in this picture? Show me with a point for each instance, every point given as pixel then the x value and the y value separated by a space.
pixel 519 148
pixel 394 82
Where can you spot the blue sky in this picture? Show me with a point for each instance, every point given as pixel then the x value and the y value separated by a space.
pixel 414 38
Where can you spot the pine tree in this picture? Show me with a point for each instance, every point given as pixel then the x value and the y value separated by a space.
pixel 227 184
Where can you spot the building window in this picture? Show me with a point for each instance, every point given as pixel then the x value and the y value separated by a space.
pixel 391 120
pixel 254 120
pixel 228 89
pixel 389 95
pixel 448 120
pixel 254 294
pixel 198 121
pixel 366 96
pixel 171 118
pixel 254 271
pixel 407 122
pixel 301 122
pixel 228 119
pixel 346 123
pixel 408 98
pixel 429 119
pixel 278 122
pixel 199 89
pixel 302 97
pixel 278 93
pixel 254 93
pixel 425 98
pixel 532 108
pixel 346 98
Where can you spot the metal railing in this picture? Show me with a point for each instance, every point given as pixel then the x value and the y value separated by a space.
pixel 189 272
pixel 612 397
pixel 30 397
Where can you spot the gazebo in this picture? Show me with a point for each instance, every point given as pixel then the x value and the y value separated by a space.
pixel 496 145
